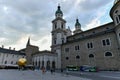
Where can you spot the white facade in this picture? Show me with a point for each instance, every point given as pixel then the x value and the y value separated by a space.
pixel 45 59
pixel 9 57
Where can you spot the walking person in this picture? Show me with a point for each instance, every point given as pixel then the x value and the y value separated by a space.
pixel 43 70
pixel 61 70
pixel 51 71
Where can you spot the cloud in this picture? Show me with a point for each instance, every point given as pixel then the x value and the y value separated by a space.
pixel 20 19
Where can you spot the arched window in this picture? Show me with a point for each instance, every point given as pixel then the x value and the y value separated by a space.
pixel 39 63
pixel 55 25
pixel 53 64
pixel 42 63
pixel 91 56
pixel 77 57
pixel 61 25
pixel 108 54
pixel 33 63
pixel 36 63
pixel 55 41
pixel 11 62
pixel 5 62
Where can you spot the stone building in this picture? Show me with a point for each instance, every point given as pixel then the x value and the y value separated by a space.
pixel 40 59
pixel 99 46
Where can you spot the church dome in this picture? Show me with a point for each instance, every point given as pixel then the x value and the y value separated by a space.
pixel 59 11
pixel 77 23
pixel 116 1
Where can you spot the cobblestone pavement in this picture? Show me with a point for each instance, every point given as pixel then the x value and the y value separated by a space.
pixel 35 75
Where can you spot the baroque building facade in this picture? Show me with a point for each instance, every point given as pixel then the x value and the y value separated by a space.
pixel 99 46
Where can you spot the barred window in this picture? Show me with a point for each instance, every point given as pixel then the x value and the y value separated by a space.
pixel 106 42
pixel 90 45
pixel 66 49
pixel 91 56
pixel 108 54
pixel 77 47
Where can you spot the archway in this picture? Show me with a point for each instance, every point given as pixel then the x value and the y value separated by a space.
pixel 53 65
pixel 42 64
pixel 39 64
pixel 48 65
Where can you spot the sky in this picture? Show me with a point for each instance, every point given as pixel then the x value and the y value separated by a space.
pixel 21 19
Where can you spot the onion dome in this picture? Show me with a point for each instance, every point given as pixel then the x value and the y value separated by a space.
pixel 59 12
pixel 77 23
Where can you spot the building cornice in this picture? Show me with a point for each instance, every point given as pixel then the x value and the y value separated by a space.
pixel 58 19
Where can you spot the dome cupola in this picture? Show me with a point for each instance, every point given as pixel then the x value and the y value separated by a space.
pixel 58 13
pixel 116 1
pixel 115 12
pixel 77 27
pixel 77 23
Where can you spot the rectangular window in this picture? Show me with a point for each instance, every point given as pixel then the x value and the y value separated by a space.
pixel 106 42
pixel 117 20
pixel 55 25
pixel 66 49
pixel 119 17
pixel 103 41
pixel 77 47
pixel 54 41
pixel 90 45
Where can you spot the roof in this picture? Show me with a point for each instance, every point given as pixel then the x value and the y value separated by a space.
pixel 8 51
pixel 45 52
pixel 101 30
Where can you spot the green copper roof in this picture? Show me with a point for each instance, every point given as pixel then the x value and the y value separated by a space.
pixel 77 23
pixel 59 10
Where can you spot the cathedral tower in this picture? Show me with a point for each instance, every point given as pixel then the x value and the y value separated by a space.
pixel 58 34
pixel 115 12
pixel 30 49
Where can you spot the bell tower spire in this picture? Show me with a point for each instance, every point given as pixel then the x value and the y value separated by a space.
pixel 28 43
pixel 59 13
pixel 58 34
pixel 77 27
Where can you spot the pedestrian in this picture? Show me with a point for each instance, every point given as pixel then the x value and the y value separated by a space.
pixel 61 70
pixel 67 72
pixel 43 70
pixel 51 71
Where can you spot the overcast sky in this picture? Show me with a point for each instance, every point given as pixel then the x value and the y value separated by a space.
pixel 20 19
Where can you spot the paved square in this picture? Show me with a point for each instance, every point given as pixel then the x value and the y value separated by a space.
pixel 35 75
